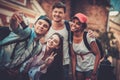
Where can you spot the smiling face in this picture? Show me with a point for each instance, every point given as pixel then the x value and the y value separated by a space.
pixel 76 25
pixel 58 14
pixel 41 27
pixel 53 41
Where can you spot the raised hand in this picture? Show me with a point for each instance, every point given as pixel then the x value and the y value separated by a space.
pixel 50 59
pixel 16 19
pixel 91 34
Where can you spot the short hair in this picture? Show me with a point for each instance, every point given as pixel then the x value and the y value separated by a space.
pixel 44 17
pixel 59 5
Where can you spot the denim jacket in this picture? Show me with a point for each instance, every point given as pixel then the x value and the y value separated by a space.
pixel 21 50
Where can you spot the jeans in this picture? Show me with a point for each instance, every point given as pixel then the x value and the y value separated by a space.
pixel 66 72
pixel 85 74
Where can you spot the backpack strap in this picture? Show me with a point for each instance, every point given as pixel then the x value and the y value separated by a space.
pixel 67 25
pixel 70 34
pixel 85 41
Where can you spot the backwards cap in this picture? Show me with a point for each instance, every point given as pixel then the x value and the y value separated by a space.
pixel 44 17
pixel 82 18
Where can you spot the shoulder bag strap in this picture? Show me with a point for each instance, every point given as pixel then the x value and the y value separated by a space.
pixel 85 40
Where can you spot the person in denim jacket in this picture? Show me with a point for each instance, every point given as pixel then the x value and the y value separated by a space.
pixel 12 56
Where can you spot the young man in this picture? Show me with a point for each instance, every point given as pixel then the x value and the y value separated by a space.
pixel 22 43
pixel 58 25
pixel 85 62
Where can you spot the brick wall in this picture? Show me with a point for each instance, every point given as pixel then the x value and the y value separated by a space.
pixel 47 6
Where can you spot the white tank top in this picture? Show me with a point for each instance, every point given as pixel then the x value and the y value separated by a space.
pixel 86 62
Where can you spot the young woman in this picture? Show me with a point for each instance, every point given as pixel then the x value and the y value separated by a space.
pixel 48 62
pixel 84 62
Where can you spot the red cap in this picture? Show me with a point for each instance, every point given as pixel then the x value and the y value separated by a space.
pixel 81 17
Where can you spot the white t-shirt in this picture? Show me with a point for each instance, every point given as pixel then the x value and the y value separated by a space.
pixel 87 62
pixel 64 33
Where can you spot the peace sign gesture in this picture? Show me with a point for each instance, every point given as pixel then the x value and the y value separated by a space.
pixel 50 59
